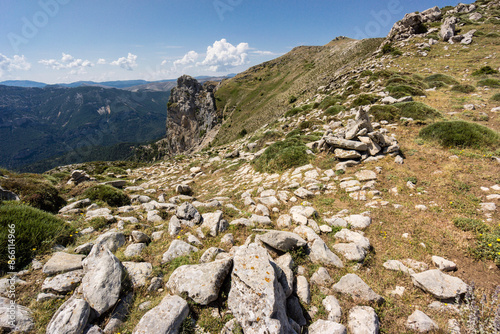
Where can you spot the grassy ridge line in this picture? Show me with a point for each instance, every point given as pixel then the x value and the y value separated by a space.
pixel 261 94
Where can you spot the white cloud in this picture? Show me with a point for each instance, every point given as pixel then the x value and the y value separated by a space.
pixel 265 53
pixel 101 61
pixel 12 64
pixel 67 62
pixel 126 63
pixel 189 58
pixel 222 55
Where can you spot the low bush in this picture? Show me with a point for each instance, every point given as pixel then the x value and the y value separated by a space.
pixel 385 112
pixel 440 80
pixel 417 110
pixel 463 88
pixel 490 82
pixel 390 49
pixel 293 112
pixel 35 190
pixel 461 134
pixel 282 155
pixel 334 110
pixel 364 99
pixel 474 225
pixel 35 232
pixel 496 97
pixel 330 101
pixel 399 91
pixel 485 70
pixel 108 194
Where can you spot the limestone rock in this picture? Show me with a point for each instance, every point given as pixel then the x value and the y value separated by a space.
pixel 101 284
pixel 165 318
pixel 303 291
pixel 177 248
pixel 359 221
pixel 355 287
pixel 287 278
pixel 420 322
pixel 64 282
pixel 214 223
pixel 134 249
pixel 256 298
pixel 448 28
pixel 111 240
pixel 320 253
pixel 321 278
pixel 24 320
pixel 201 282
pixel 350 251
pixel 71 317
pixel 326 327
pixel 333 308
pixel 355 237
pixel 119 314
pixel 443 264
pixel 62 262
pixel 138 272
pixel 283 240
pixel 439 285
pixel 363 320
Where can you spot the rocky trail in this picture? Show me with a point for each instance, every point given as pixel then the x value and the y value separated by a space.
pixel 340 220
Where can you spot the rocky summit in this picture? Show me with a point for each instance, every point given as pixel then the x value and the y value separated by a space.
pixel 361 197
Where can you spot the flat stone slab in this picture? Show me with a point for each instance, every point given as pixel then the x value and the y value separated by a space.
pixel 62 262
pixel 138 272
pixel 439 285
pixel 355 287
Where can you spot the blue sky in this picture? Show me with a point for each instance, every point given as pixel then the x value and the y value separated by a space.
pixel 70 40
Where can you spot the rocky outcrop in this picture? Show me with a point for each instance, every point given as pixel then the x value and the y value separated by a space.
pixel 191 113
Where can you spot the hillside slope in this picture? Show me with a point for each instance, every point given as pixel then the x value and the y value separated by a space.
pixel 264 92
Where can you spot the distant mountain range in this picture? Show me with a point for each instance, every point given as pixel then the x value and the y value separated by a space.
pixel 132 85
pixel 42 123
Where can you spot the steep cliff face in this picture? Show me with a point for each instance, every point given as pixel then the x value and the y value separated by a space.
pixel 191 114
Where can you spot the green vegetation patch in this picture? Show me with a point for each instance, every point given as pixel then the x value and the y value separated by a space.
pixel 399 91
pixel 390 49
pixel 334 110
pixel 364 99
pixel 496 97
pixel 108 194
pixel 417 110
pixel 440 80
pixel 385 112
pixel 35 232
pixel 461 134
pixel 294 111
pixel 282 155
pixel 463 88
pixel 468 224
pixel 485 70
pixel 330 101
pixel 35 190
pixel 490 82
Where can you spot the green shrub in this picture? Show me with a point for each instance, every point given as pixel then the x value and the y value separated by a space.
pixel 390 49
pixel 36 231
pixel 293 112
pixel 485 70
pixel 417 111
pixel 243 133
pixel 440 80
pixel 35 191
pixel 306 125
pixel 492 35
pixel 98 223
pixel 461 134
pixel 398 91
pixel 381 74
pixel 333 110
pixel 364 99
pixel 474 225
pixel 385 112
pixel 108 194
pixel 282 155
pixel 496 97
pixel 490 82
pixel 292 99
pixel 463 88
pixel 330 101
